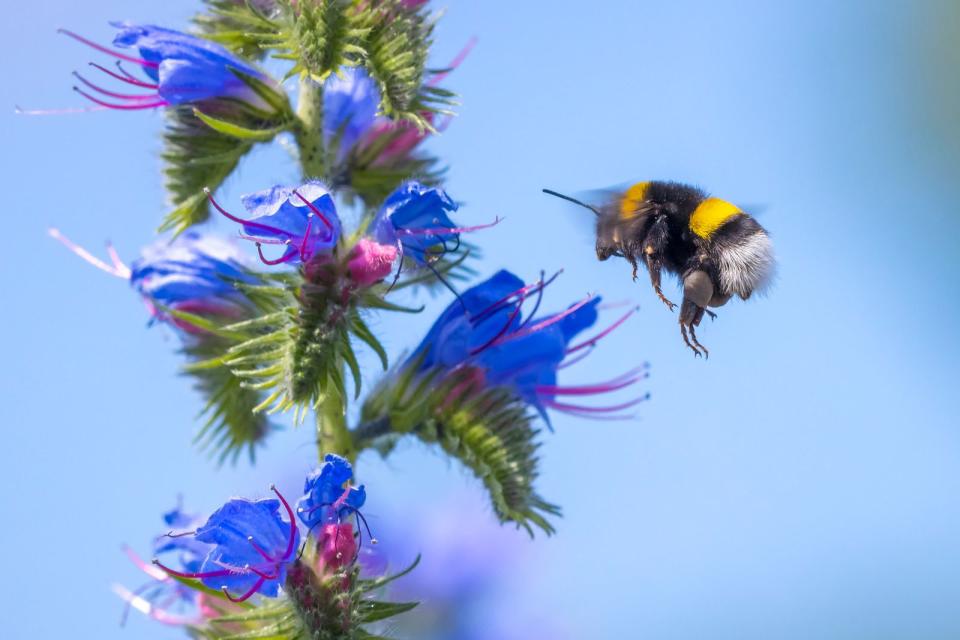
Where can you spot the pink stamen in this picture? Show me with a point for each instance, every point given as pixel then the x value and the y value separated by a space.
pixel 117 262
pixel 342 499
pixel 457 61
pixel 601 418
pixel 54 112
pixel 148 569
pixel 195 576
pixel 124 71
pixel 247 595
pixel 620 382
pixel 575 360
pixel 247 223
pixel 262 240
pixel 560 406
pixel 315 209
pixel 282 259
pixel 521 292
pixel 113 94
pixel 592 341
pixel 503 330
pixel 438 231
pixel 119 270
pixel 109 52
pixel 549 321
pixel 293 523
pixel 259 549
pixel 122 107
pixel 265 576
pixel 134 600
pixel 303 243
pixel 124 77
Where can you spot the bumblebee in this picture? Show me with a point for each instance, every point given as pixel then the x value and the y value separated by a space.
pixel 716 249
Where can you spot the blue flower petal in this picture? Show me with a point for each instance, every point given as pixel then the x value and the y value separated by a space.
pixel 231 528
pixel 323 487
pixel 189 68
pixel 414 207
pixel 350 104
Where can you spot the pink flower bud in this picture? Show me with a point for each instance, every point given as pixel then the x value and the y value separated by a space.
pixel 370 262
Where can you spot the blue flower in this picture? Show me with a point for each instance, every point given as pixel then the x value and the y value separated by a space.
pixel 193 273
pixel 325 499
pixel 350 104
pixel 486 330
pixel 301 219
pixel 416 219
pixel 251 548
pixel 179 69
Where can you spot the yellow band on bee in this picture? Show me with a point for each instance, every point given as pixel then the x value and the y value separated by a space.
pixel 630 203
pixel 710 216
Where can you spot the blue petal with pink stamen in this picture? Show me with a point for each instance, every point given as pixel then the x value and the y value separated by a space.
pixel 325 499
pixel 303 220
pixel 486 329
pixel 252 547
pixel 177 68
pixel 192 272
pixel 416 218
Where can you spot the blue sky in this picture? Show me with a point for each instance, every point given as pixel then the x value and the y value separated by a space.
pixel 801 483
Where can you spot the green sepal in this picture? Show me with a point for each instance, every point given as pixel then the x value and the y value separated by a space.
pixel 237 131
pixel 373 610
pixel 489 430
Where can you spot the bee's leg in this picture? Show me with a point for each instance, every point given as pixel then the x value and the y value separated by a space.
pixel 683 332
pixel 712 315
pixel 693 333
pixel 697 292
pixel 654 247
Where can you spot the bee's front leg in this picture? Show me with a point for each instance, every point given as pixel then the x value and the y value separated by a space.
pixel 654 247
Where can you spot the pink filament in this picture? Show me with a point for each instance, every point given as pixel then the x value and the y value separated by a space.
pixel 198 575
pixel 620 382
pixel 592 341
pixel 247 223
pixel 118 269
pixel 550 321
pixel 575 360
pixel 303 243
pixel 315 209
pixel 107 51
pixel 506 327
pixel 521 292
pixel 124 77
pixel 248 594
pixel 148 569
pixel 286 257
pixel 438 231
pixel 113 94
pixel 457 61
pixel 560 406
pixel 293 524
pixel 123 107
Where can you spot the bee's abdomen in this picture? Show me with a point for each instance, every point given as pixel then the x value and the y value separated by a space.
pixel 744 256
pixel 710 215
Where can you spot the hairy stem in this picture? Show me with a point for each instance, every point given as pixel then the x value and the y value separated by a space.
pixel 309 129
pixel 333 436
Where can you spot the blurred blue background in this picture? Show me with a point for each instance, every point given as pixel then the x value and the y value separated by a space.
pixel 802 483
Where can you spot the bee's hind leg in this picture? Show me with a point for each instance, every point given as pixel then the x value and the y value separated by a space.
pixel 697 292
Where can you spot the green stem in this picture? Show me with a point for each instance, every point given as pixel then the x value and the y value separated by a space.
pixel 309 129
pixel 333 435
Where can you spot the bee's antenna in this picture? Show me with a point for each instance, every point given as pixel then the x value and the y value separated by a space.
pixel 573 200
